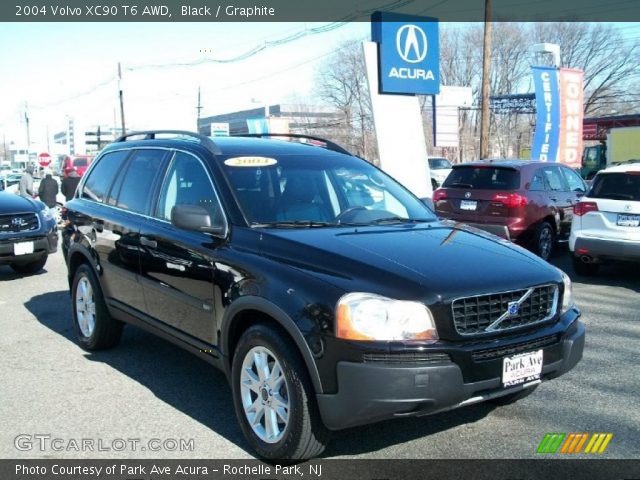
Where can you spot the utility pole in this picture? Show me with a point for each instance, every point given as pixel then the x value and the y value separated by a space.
pixel 198 108
pixel 26 120
pixel 122 125
pixel 486 72
pixel 48 145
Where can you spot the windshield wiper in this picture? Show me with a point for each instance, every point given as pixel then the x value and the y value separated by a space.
pixel 458 184
pixel 294 224
pixel 379 221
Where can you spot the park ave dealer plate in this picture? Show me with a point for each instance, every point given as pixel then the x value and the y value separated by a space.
pixel 468 205
pixel 522 368
pixel 22 248
pixel 628 220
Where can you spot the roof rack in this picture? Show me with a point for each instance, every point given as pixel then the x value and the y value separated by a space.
pixel 328 144
pixel 151 135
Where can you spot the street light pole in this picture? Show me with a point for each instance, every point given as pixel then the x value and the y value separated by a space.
pixel 486 72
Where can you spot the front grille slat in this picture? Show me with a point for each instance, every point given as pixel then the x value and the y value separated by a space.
pixel 19 222
pixel 473 315
pixel 411 358
pixel 499 352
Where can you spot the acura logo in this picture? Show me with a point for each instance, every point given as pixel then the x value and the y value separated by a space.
pixel 411 43
pixel 18 222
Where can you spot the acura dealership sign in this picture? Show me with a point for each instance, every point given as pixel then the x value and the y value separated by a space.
pixel 408 53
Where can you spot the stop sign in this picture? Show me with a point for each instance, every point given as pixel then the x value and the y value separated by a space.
pixel 44 159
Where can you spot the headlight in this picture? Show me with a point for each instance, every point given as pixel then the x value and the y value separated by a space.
pixel 365 316
pixel 46 213
pixel 567 298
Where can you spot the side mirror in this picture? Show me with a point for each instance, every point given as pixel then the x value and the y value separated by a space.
pixel 196 218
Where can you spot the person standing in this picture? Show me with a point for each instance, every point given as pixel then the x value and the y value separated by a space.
pixel 70 183
pixel 25 189
pixel 48 190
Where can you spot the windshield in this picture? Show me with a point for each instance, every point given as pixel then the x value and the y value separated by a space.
pixel 616 186
pixel 80 162
pixel 439 163
pixel 483 178
pixel 310 191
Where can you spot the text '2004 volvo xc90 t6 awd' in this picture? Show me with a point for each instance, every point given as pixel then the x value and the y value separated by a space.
pixel 328 294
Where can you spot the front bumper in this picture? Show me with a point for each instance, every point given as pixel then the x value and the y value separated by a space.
pixel 369 393
pixel 605 249
pixel 43 244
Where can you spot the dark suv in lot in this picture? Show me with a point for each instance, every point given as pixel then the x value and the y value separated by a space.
pixel 28 233
pixel 530 203
pixel 328 294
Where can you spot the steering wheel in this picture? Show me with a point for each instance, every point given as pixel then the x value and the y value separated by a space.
pixel 348 211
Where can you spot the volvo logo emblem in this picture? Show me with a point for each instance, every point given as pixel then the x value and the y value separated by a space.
pixel 18 222
pixel 467 195
pixel 411 43
pixel 513 308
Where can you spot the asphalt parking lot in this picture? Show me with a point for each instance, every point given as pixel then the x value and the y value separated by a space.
pixel 148 389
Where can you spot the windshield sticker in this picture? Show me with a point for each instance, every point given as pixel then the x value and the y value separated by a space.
pixel 250 162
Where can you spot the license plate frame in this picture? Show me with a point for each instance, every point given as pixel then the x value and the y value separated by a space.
pixel 23 248
pixel 522 368
pixel 628 220
pixel 469 205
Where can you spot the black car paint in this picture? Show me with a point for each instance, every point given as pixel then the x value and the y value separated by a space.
pixel 294 277
pixel 45 238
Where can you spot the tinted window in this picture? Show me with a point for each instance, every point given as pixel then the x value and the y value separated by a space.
pixel 573 180
pixel 439 163
pixel 187 183
pixel 135 193
pixel 80 162
pixel 616 186
pixel 554 178
pixel 537 182
pixel 97 184
pixel 484 178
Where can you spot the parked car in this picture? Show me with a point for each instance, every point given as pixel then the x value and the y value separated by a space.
pixel 28 233
pixel 439 169
pixel 79 162
pixel 606 222
pixel 328 294
pixel 530 203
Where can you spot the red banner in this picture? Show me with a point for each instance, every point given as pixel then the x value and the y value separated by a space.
pixel 571 116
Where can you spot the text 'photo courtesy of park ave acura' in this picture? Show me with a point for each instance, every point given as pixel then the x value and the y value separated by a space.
pixel 362 240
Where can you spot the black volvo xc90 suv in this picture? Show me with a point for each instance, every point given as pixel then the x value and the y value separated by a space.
pixel 328 294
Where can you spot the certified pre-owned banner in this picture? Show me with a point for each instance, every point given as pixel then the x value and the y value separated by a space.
pixel 559 97
pixel 546 138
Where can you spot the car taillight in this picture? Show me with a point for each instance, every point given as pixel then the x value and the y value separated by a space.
pixel 511 200
pixel 581 208
pixel 439 194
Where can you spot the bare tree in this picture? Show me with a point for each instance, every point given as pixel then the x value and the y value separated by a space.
pixel 342 83
pixel 611 64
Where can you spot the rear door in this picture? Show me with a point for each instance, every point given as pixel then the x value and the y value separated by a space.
pixel 471 193
pixel 178 266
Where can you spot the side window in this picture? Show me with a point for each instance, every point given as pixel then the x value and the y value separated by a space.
pixel 573 180
pixel 537 182
pixel 187 183
pixel 97 184
pixel 136 190
pixel 554 178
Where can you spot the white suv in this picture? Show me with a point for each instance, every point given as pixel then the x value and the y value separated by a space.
pixel 606 222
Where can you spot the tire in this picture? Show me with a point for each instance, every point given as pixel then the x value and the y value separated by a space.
pixel 544 241
pixel 513 397
pixel 31 267
pixel 585 269
pixel 288 399
pixel 95 328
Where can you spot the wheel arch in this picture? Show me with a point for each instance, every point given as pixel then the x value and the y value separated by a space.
pixel 250 310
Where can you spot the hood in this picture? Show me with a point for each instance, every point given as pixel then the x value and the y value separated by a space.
pixel 12 203
pixel 435 262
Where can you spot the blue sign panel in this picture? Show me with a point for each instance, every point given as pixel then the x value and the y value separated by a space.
pixel 258 125
pixel 408 53
pixel 546 137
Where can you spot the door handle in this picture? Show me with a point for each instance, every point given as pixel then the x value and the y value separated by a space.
pixel 147 242
pixel 553 199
